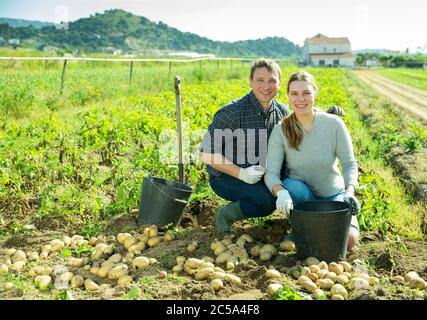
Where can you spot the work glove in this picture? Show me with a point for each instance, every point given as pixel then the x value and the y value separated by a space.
pixel 351 200
pixel 284 202
pixel 252 174
pixel 336 110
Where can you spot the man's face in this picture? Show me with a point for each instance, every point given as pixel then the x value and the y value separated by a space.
pixel 265 85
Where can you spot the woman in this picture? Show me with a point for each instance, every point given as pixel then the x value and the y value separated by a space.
pixel 311 142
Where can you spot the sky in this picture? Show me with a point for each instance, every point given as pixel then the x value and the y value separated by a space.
pixel 373 24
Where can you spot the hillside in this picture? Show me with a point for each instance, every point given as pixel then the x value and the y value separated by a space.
pixel 24 23
pixel 118 29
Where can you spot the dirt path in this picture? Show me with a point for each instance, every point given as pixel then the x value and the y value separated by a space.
pixel 411 99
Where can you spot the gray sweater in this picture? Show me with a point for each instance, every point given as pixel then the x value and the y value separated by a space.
pixel 316 162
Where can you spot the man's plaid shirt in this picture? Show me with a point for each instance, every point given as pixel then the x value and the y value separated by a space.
pixel 249 127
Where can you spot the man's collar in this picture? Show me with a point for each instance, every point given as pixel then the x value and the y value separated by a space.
pixel 258 105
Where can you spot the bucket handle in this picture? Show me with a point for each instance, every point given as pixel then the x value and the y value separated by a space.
pixel 174 199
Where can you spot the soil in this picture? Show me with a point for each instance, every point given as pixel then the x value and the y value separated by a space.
pixel 411 99
pixel 386 258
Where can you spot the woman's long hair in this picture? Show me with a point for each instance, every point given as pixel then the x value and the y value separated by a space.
pixel 291 127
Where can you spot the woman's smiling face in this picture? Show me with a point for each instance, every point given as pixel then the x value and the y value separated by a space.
pixel 301 96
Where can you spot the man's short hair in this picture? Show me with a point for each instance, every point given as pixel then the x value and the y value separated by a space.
pixel 266 63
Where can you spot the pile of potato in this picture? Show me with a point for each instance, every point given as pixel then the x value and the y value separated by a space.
pixel 104 263
pixel 204 269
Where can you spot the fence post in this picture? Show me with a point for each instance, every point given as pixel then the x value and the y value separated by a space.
pixel 170 69
pixel 130 72
pixel 231 64
pixel 63 75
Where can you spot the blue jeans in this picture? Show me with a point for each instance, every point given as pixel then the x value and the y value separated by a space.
pixel 255 199
pixel 300 192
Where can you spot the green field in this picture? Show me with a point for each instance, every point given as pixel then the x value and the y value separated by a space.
pixel 412 77
pixel 83 154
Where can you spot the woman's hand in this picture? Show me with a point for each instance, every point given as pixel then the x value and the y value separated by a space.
pixel 284 202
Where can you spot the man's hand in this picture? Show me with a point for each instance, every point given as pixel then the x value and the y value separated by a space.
pixel 336 110
pixel 350 199
pixel 284 202
pixel 252 174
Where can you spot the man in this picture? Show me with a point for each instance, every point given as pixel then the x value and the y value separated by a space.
pixel 235 147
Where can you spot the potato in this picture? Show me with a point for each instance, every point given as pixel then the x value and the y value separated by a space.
pixel 168 236
pixel 219 249
pixel 310 286
pixel 207 265
pixel 303 279
pixel 194 263
pixel 273 288
pixel 19 255
pixel 337 297
pixel 222 258
pixel 152 242
pixel 311 260
pixel 318 294
pixel 17 266
pixel 125 281
pixel 230 266
pixel 192 247
pixel 255 251
pixel 56 245
pixel 359 283
pixel 140 263
pixel 331 275
pixel 305 271
pixel 44 255
pixel 417 283
pixel 217 275
pixel 226 242
pixel 342 279
pixel 269 248
pixel 9 251
pixel 180 259
pixel 33 256
pixel 115 258
pixel 8 286
pixel 43 282
pixel 75 262
pixel 77 281
pixel 91 285
pixel 203 274
pixel 208 259
pixel 411 275
pixel 265 255
pixel 66 277
pixel 323 266
pixel 325 283
pixel 337 268
pixel 122 237
pixel 287 245
pixel 233 259
pixel 94 270
pixel 118 271
pixel 4 268
pixel 247 237
pixel 177 268
pixel 147 232
pixel 322 273
pixel 216 284
pixel 313 277
pixel 129 242
pixel 232 278
pixel 153 231
pixel 271 273
pixel 314 268
pixel 347 266
pixel 339 289
pixel 215 245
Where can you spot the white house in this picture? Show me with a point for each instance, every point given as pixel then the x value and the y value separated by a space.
pixel 322 51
